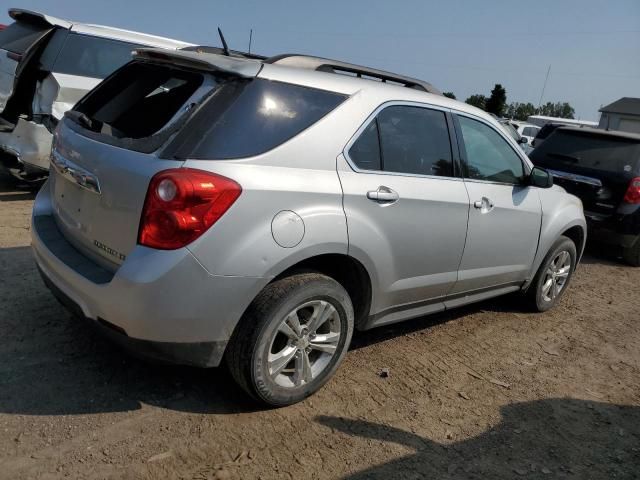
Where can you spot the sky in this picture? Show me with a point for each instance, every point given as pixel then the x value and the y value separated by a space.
pixel 463 46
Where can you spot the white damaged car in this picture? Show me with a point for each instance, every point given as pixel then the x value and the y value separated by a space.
pixel 46 66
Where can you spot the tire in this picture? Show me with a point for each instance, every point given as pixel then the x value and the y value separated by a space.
pixel 277 361
pixel 543 296
pixel 631 255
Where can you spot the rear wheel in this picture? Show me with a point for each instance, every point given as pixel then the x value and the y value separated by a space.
pixel 554 275
pixel 631 255
pixel 292 338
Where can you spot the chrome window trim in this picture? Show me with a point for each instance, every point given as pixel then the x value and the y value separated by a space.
pixel 372 116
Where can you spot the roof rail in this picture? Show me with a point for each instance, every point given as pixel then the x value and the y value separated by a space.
pixel 336 66
pixel 220 51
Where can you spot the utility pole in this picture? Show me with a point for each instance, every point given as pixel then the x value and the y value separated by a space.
pixel 544 86
pixel 250 38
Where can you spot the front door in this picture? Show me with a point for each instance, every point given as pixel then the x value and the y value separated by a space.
pixel 406 211
pixel 505 214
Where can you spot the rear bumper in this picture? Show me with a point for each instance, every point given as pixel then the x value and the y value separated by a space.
pixel 199 354
pixel 621 229
pixel 30 144
pixel 160 304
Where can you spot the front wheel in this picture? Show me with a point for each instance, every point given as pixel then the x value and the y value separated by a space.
pixel 292 338
pixel 554 275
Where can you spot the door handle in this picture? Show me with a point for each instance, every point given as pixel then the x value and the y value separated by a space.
pixel 485 205
pixel 383 195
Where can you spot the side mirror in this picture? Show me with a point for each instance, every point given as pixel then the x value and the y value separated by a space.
pixel 523 140
pixel 539 177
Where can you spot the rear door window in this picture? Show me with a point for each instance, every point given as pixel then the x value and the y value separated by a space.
pixel 95 57
pixel 19 36
pixel 405 139
pixel 245 118
pixel 487 154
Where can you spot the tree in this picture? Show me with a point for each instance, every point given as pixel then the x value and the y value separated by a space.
pixel 520 111
pixel 562 110
pixel 497 101
pixel 477 100
pixel 449 95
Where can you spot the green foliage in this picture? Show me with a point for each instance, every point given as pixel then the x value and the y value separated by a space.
pixel 477 100
pixel 497 104
pixel 449 95
pixel 521 111
pixel 563 110
pixel 497 101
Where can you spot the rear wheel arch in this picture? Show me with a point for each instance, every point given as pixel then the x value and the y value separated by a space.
pixel 345 270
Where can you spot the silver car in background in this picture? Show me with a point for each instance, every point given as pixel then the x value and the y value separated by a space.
pixel 204 208
pixel 46 65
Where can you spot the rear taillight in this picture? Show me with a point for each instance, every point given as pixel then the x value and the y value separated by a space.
pixel 633 192
pixel 181 204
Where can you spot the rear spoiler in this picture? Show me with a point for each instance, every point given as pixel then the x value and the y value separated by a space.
pixel 240 67
pixel 29 16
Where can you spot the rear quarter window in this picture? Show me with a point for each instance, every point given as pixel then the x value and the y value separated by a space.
pixel 94 57
pixel 246 118
pixel 19 36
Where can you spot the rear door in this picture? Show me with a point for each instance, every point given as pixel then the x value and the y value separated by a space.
pixel 505 214
pixel 406 210
pixel 16 42
pixel 77 67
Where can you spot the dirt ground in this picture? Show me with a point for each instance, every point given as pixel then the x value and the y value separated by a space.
pixel 489 391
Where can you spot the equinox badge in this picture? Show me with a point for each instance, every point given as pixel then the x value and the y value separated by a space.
pixel 109 250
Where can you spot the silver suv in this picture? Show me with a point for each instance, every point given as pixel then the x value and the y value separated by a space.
pixel 204 207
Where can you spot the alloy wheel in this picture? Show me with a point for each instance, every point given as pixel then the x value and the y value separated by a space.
pixel 304 343
pixel 556 276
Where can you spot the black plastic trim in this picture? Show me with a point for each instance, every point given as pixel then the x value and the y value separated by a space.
pixel 54 241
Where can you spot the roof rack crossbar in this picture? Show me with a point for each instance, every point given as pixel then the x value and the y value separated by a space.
pixel 336 66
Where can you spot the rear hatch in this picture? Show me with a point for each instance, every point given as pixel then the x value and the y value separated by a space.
pixel 153 114
pixel 104 155
pixel 107 149
pixel 596 166
pixel 18 43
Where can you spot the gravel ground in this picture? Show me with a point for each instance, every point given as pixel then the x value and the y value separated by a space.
pixel 488 391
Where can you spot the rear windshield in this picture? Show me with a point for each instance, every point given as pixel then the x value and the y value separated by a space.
pixel 546 130
pixel 589 151
pixel 95 57
pixel 137 101
pixel 145 104
pixel 19 36
pixel 249 117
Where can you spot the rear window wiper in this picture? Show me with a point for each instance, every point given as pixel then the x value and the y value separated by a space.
pixel 564 156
